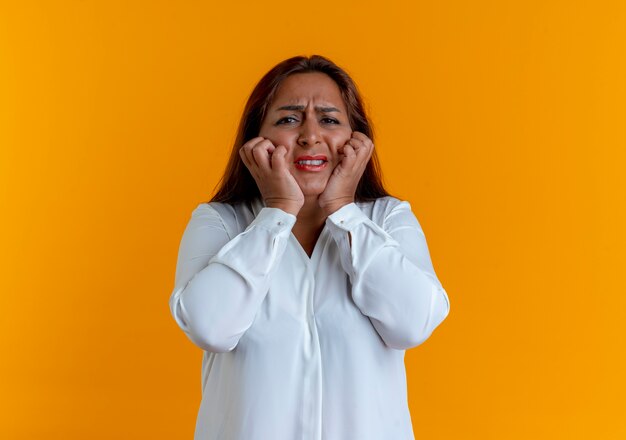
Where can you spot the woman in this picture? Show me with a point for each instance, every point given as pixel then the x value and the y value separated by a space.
pixel 302 279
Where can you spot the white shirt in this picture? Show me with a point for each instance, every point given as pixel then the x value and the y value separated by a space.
pixel 298 347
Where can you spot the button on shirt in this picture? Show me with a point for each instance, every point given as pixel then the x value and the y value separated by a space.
pixel 299 347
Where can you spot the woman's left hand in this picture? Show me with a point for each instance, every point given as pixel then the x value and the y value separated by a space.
pixel 341 186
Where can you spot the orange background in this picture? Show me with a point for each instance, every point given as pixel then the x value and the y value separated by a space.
pixel 503 123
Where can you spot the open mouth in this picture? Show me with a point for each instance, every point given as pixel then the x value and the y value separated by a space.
pixel 311 162
pixel 311 165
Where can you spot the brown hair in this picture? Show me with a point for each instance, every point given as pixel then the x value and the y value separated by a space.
pixel 237 184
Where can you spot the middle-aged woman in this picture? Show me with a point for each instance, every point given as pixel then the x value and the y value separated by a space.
pixel 302 279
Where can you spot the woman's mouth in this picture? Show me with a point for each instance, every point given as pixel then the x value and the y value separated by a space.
pixel 311 163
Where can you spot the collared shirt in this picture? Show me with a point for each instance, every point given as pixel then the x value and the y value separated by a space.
pixel 299 347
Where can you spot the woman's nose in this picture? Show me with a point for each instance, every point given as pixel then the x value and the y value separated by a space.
pixel 309 133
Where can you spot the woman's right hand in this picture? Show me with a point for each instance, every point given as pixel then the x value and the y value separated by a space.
pixel 268 167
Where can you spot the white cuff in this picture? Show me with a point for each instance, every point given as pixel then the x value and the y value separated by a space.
pixel 274 219
pixel 347 217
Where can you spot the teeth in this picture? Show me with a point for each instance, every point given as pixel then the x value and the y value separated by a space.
pixel 310 162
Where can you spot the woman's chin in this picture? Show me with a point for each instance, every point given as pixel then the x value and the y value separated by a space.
pixel 310 191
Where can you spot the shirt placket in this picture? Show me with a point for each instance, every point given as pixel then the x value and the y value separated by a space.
pixel 312 404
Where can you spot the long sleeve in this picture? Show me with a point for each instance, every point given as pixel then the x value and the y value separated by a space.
pixel 221 282
pixel 392 276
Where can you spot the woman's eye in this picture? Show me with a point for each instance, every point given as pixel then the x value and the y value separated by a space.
pixel 284 119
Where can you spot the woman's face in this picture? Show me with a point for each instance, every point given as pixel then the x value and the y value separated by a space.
pixel 308 116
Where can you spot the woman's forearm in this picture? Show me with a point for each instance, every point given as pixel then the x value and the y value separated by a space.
pixel 216 304
pixel 392 280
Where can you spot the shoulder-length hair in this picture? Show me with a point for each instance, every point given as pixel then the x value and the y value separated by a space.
pixel 237 184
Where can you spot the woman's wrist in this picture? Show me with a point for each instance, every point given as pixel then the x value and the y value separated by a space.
pixel 291 209
pixel 332 208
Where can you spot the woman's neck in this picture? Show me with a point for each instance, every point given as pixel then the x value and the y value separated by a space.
pixel 309 224
pixel 311 215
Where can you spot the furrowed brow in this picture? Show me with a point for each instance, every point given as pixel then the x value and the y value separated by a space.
pixel 317 108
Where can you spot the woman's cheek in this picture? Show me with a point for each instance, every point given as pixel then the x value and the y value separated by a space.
pixel 286 141
pixel 341 141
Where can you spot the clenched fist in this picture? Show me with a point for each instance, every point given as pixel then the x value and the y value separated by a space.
pixel 268 166
pixel 341 187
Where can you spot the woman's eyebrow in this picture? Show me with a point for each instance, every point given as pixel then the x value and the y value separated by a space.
pixel 317 108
